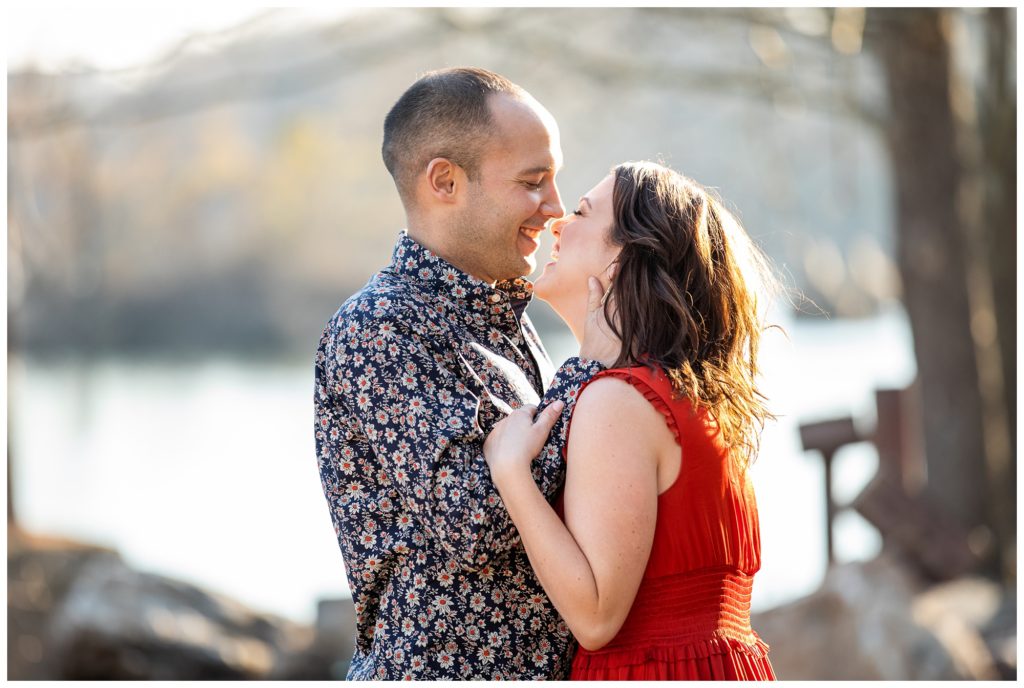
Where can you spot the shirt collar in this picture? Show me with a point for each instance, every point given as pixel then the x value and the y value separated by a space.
pixel 411 259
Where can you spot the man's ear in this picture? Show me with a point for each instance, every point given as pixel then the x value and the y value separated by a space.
pixel 444 179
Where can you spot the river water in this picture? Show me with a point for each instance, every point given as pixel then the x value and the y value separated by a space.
pixel 205 471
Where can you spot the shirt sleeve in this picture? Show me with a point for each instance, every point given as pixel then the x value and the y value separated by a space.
pixel 418 407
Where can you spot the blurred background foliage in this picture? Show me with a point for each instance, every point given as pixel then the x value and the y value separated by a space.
pixel 180 229
pixel 253 172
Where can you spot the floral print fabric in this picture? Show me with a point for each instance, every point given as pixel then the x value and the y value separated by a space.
pixel 412 373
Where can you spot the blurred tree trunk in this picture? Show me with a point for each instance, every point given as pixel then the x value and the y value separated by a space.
pixel 946 276
pixel 11 520
pixel 998 125
pixel 995 125
pixel 10 490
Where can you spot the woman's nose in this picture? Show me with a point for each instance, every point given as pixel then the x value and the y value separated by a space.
pixel 556 226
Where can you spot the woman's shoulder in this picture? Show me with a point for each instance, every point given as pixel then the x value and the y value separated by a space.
pixel 614 418
pixel 628 398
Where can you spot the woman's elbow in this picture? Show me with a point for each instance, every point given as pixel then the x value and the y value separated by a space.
pixel 592 643
pixel 596 635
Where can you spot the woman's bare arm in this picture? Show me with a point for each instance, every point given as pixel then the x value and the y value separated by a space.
pixel 590 565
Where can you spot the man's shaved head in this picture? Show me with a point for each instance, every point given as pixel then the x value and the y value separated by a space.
pixel 445 114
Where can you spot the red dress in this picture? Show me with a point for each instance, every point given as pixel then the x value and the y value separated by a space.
pixel 691 615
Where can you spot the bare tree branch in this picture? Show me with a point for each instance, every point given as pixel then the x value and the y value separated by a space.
pixel 157 103
pixel 618 69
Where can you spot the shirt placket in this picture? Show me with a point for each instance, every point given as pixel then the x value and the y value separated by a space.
pixel 515 345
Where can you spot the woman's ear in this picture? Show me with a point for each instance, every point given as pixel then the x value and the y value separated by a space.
pixel 444 179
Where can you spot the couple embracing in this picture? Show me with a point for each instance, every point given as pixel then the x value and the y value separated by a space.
pixel 500 519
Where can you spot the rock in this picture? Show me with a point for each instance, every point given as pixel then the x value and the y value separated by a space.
pixel 1001 635
pixel 872 621
pixel 117 623
pixel 329 655
pixel 77 611
pixel 40 571
pixel 979 618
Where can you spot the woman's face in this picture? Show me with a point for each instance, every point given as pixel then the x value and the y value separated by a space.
pixel 582 248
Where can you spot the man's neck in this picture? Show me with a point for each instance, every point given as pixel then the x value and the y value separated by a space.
pixel 427 240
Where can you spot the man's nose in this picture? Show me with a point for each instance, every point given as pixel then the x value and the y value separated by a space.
pixel 552 206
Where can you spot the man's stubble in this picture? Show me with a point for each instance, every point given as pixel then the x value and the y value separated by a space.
pixel 485 242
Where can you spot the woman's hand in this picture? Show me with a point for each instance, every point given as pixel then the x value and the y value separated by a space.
pixel 599 342
pixel 517 440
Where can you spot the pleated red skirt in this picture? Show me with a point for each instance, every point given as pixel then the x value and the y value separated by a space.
pixel 693 626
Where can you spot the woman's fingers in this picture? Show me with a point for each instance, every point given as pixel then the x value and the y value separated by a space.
pixel 523 433
pixel 535 435
pixel 545 420
pixel 538 425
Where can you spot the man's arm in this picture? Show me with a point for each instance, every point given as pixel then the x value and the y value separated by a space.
pixel 418 408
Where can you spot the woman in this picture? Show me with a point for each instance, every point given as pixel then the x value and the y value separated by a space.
pixel 653 564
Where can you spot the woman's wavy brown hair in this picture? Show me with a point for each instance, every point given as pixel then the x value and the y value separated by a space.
pixel 684 296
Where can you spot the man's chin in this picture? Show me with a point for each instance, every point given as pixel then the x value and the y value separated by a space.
pixel 524 267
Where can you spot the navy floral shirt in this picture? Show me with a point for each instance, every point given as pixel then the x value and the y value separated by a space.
pixel 412 373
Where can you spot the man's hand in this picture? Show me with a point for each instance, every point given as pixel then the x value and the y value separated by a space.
pixel 517 440
pixel 599 342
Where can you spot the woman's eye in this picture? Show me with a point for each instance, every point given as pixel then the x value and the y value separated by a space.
pixel 578 212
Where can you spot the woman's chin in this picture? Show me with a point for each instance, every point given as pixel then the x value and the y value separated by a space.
pixel 543 285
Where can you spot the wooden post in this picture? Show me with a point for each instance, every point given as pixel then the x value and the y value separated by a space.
pixel 827 437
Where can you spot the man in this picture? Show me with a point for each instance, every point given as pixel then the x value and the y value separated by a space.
pixel 415 369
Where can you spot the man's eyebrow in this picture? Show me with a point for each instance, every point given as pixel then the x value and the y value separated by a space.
pixel 537 170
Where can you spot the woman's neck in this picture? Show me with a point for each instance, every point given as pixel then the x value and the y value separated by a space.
pixel 572 314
